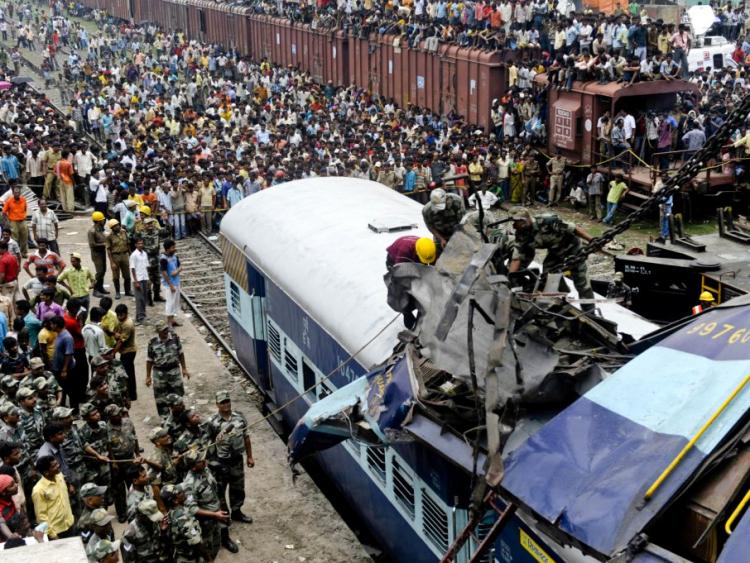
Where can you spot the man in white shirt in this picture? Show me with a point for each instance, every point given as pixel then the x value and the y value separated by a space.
pixel 97 189
pixel 139 275
pixel 93 333
pixel 83 162
pixel 486 198
pixel 45 225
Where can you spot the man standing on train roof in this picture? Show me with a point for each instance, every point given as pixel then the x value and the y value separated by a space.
pixel 561 240
pixel 443 214
pixel 705 302
pixel 407 249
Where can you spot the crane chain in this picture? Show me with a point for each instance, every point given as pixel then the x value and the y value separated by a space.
pixel 684 175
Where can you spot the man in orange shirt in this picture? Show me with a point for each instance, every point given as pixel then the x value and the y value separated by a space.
pixel 65 181
pixel 15 211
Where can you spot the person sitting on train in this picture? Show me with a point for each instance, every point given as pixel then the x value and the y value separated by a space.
pixel 647 69
pixel 669 69
pixel 631 72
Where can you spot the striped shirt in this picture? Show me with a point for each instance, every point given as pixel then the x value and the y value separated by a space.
pixel 44 224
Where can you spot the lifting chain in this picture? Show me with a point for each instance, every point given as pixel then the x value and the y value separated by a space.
pixel 684 175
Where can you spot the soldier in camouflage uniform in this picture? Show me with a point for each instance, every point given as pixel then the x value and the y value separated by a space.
pixel 140 488
pixel 72 446
pixel 202 489
pixel 95 438
pixel 561 240
pixel 123 445
pixel 9 387
pixel 167 362
pixel 92 497
pixel 228 429
pixel 12 431
pixel 98 394
pixel 32 420
pixel 162 465
pixel 184 529
pixel 100 523
pixel 117 378
pixel 53 391
pixel 46 401
pixel 194 437
pixel 173 421
pixel 143 539
pixel 152 233
pixel 105 552
pixel 443 215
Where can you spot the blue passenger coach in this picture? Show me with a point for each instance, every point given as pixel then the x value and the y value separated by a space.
pixel 304 265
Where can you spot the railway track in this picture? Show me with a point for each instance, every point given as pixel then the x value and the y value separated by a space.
pixel 203 292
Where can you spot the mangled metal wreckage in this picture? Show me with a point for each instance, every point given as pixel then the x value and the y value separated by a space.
pixel 581 427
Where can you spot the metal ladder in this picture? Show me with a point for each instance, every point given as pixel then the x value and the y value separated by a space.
pixel 468 533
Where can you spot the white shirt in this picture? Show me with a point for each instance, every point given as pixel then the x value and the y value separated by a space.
pixel 488 199
pixel 84 163
pixel 139 264
pixel 93 336
pixel 629 126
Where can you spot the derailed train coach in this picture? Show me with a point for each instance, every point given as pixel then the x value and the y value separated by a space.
pixel 442 78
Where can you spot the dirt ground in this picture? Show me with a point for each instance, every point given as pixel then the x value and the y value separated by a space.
pixel 294 522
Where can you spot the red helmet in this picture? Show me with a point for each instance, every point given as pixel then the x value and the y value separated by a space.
pixel 279 174
pixel 432 185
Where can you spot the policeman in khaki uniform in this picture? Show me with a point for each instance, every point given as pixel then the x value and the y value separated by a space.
pixel 118 249
pixel 98 247
pixel 184 529
pixel 143 539
pixel 166 361
pixel 203 490
pixel 443 214
pixel 556 168
pixel 228 429
pixel 561 240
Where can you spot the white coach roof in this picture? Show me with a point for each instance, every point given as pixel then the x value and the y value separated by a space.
pixel 311 238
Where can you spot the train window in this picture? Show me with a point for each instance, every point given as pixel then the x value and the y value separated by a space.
pixel 718 60
pixel 324 390
pixel 435 521
pixel 290 363
pixel 202 20
pixel 308 376
pixel 234 298
pixel 274 342
pixel 376 462
pixel 403 487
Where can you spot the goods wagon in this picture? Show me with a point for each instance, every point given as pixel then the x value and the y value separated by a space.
pixel 446 79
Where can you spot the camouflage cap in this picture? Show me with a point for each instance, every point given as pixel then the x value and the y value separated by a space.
pixel 161 326
pixel 150 509
pixel 169 491
pixel 106 350
pixel 25 393
pixel 92 490
pixel 104 548
pixel 36 363
pixel 156 433
pixel 173 399
pixel 97 361
pixel 8 382
pixel 9 409
pixel 113 410
pixel 100 517
pixel 520 214
pixel 194 456
pixel 223 395
pixel 61 412
pixel 40 383
pixel 86 409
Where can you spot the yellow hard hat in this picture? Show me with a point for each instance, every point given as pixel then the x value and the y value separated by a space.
pixel 97 216
pixel 145 210
pixel 707 296
pixel 426 250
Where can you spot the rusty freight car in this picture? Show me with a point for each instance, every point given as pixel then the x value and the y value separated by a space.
pixel 443 79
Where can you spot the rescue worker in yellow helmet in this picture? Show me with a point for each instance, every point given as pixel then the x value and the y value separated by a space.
pixel 406 249
pixel 145 210
pixel 706 300
pixel 411 249
pixel 98 248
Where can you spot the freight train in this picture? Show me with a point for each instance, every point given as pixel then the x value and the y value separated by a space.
pixel 447 79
